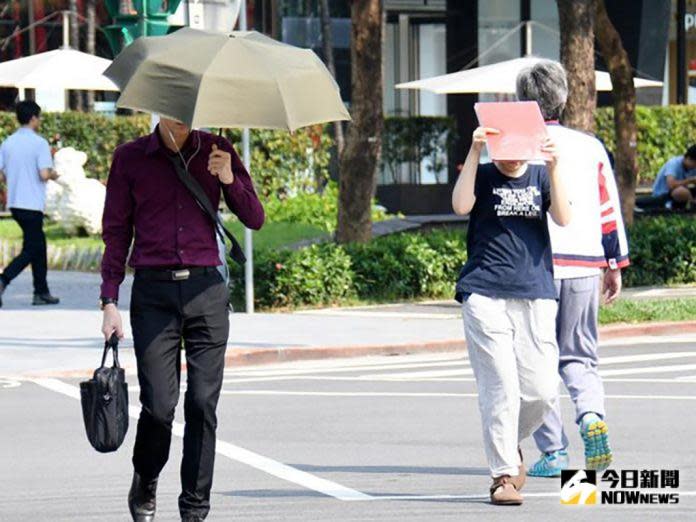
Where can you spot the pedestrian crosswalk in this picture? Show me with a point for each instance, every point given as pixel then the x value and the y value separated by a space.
pixel 646 366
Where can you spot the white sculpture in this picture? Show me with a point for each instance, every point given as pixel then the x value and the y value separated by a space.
pixel 74 201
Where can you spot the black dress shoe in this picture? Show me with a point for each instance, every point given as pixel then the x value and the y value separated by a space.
pixel 141 499
pixel 44 299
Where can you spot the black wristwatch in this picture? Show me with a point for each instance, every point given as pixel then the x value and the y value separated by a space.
pixel 103 301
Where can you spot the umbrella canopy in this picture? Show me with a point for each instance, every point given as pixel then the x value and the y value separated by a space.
pixel 241 79
pixel 499 78
pixel 59 69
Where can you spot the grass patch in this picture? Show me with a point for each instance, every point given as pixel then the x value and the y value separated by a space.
pixel 272 235
pixel 276 235
pixel 641 311
pixel 9 230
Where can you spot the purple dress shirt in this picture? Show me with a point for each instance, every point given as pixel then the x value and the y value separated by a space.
pixel 146 200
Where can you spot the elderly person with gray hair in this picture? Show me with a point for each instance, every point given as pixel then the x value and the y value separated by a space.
pixel 593 242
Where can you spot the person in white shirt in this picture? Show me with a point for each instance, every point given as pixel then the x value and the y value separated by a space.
pixel 588 255
pixel 26 162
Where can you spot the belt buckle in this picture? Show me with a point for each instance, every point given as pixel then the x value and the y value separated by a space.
pixel 181 275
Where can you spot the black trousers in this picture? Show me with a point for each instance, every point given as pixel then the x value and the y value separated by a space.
pixel 163 314
pixel 33 250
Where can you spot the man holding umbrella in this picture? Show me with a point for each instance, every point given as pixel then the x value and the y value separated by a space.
pixel 197 79
pixel 178 294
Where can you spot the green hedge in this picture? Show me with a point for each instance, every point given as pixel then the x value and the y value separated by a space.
pixel 426 265
pixel 401 266
pixel 663 251
pixel 283 163
pixel 663 132
pixel 94 134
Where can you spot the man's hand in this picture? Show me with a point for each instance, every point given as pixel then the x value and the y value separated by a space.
pixel 220 165
pixel 611 286
pixel 112 322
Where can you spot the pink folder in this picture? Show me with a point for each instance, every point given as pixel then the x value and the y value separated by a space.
pixel 521 126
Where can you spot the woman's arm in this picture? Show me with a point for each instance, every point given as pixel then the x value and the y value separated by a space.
pixel 560 205
pixel 463 197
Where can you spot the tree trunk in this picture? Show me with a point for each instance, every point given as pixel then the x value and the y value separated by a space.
pixel 360 159
pixel 91 43
pixel 327 43
pixel 624 98
pixel 576 19
pixel 75 43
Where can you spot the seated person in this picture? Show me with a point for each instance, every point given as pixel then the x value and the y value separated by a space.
pixel 676 181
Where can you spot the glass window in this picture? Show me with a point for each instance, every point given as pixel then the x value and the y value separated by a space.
pixel 545 33
pixel 496 18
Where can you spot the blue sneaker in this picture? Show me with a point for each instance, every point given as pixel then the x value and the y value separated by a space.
pixel 595 435
pixel 550 464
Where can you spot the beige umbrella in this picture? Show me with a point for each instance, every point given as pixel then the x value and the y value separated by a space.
pixel 241 79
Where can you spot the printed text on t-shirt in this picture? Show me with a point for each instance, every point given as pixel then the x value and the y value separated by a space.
pixel 517 201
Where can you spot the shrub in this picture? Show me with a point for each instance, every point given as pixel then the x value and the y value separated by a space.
pixel 312 208
pixel 408 265
pixel 415 138
pixel 663 251
pixel 663 132
pixel 316 275
pixel 400 266
pixel 283 163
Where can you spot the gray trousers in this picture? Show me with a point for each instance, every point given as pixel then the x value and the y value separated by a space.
pixel 513 353
pixel 576 332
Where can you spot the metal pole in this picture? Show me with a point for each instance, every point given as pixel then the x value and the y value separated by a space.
pixel 32 33
pixel 142 19
pixel 528 38
pixel 66 29
pixel 248 239
pixel 681 52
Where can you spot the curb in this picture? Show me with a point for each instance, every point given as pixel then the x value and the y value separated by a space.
pixel 278 355
pixel 260 356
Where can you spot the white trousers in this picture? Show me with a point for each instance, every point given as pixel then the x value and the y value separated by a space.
pixel 513 353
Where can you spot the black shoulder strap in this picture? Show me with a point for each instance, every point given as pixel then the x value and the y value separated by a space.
pixel 203 201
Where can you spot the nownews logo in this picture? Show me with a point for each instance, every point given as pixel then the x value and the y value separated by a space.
pixel 579 487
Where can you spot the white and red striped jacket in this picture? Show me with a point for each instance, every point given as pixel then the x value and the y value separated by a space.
pixel 595 237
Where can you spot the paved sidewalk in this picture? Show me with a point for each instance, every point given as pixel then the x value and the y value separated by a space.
pixel 66 338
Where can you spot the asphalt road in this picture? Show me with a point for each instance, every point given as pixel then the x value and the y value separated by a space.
pixel 389 439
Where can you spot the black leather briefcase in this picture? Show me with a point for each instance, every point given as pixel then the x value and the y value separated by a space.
pixel 105 403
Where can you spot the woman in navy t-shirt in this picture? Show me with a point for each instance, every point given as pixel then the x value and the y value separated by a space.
pixel 509 301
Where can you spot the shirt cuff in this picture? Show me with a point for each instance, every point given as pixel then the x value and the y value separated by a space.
pixel 109 289
pixel 616 264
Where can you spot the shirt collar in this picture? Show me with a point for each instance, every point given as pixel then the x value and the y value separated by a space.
pixel 155 143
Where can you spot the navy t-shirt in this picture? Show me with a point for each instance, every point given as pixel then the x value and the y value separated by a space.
pixel 508 245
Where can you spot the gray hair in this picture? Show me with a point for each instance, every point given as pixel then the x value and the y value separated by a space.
pixel 545 83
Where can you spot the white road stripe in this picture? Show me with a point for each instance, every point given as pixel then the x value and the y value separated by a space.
pixel 299 393
pixel 345 368
pixel 620 359
pixel 239 454
pixel 422 375
pixel 649 369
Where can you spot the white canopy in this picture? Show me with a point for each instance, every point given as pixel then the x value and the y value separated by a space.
pixel 499 78
pixel 58 69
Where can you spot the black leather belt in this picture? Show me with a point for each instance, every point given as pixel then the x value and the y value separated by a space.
pixel 174 274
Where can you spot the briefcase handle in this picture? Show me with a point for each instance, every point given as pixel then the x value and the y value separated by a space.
pixel 113 344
